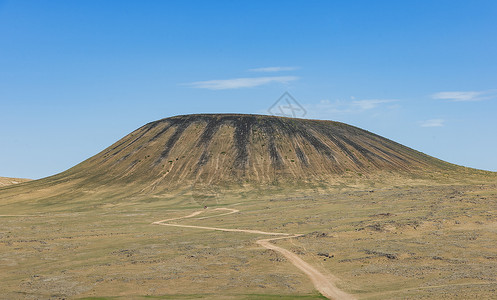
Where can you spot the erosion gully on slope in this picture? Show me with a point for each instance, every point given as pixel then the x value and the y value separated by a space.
pixel 322 283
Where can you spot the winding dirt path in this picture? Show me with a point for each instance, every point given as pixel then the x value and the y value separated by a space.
pixel 321 282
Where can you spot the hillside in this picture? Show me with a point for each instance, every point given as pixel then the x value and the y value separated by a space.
pixel 207 154
pixel 261 149
pixel 4 181
pixel 251 207
pixel 230 148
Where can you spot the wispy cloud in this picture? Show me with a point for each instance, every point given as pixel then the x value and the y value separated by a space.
pixel 344 107
pixel 461 96
pixel 432 123
pixel 237 83
pixel 370 103
pixel 273 69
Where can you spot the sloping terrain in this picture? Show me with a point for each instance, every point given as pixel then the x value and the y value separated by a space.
pixel 222 149
pixel 251 148
pixel 378 219
pixel 208 154
pixel 4 181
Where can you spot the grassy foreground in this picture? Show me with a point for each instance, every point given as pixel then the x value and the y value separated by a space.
pixel 416 241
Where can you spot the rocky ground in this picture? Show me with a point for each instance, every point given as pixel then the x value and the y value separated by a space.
pixel 416 242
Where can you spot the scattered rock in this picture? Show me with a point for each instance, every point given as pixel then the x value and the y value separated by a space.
pixel 325 255
pixel 317 234
pixel 383 215
pixel 384 254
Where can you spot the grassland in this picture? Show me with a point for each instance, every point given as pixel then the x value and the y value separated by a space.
pixel 421 240
pixel 380 220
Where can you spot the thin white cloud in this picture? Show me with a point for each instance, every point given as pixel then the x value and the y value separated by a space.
pixel 237 83
pixel 432 123
pixel 273 69
pixel 370 103
pixel 461 96
pixel 344 107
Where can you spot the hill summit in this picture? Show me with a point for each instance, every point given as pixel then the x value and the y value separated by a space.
pixel 233 148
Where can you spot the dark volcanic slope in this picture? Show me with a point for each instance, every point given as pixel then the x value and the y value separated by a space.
pixel 224 148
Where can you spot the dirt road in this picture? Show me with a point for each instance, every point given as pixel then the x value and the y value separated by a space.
pixel 321 282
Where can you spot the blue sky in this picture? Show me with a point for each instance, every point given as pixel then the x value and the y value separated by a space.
pixel 76 76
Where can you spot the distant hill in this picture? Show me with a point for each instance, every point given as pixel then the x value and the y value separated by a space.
pixel 203 155
pixel 4 181
pixel 366 210
pixel 236 148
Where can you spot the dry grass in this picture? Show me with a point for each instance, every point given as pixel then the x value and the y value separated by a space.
pixel 385 220
pixel 385 242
